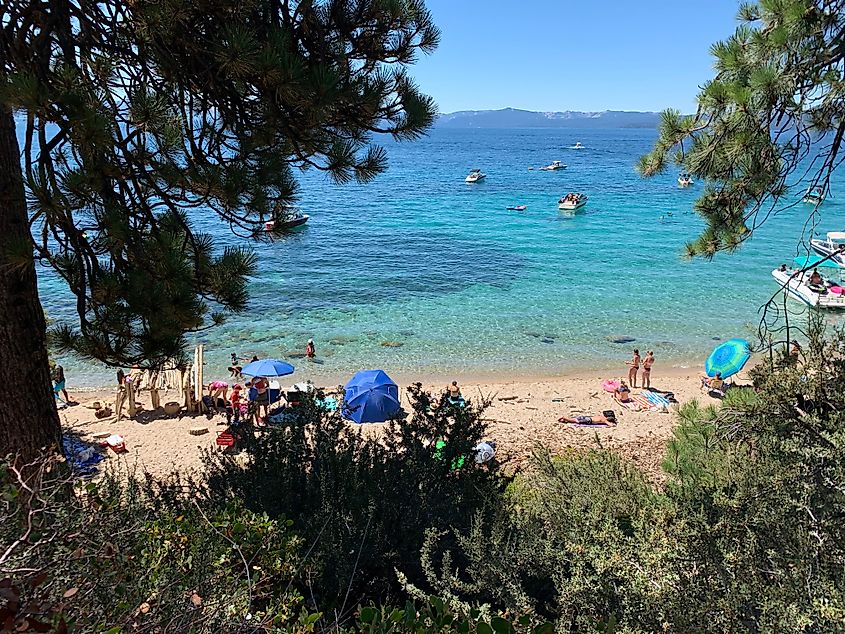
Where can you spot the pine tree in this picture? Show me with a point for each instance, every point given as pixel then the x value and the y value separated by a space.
pixel 773 114
pixel 137 114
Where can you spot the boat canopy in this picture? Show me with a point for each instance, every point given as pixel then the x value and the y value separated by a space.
pixel 807 261
pixel 836 236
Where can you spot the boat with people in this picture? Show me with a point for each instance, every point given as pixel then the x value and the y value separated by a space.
pixel 572 201
pixel 295 221
pixel 832 247
pixel 809 287
pixel 475 176
pixel 518 208
pixel 578 146
pixel 684 179
pixel 814 196
pixel 554 165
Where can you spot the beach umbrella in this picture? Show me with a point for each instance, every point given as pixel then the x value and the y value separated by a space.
pixel 728 358
pixel 267 367
pixel 371 397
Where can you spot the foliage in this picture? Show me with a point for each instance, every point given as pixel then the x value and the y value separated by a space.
pixel 138 116
pixel 363 499
pixel 115 554
pixel 772 115
pixel 578 541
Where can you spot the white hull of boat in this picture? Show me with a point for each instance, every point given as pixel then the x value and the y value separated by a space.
pixel 475 179
pixel 571 206
pixel 795 287
pixel 824 249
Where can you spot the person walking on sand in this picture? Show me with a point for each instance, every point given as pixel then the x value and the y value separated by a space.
pixel 310 350
pixel 635 366
pixel 59 384
pixel 647 363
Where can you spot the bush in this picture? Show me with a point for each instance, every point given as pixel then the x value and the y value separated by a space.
pixel 577 541
pixel 363 501
pixel 114 554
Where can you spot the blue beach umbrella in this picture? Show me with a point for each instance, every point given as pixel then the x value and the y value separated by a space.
pixel 371 397
pixel 728 358
pixel 267 367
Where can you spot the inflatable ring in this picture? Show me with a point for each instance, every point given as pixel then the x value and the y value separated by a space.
pixel 610 385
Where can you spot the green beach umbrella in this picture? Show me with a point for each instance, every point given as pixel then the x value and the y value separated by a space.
pixel 728 358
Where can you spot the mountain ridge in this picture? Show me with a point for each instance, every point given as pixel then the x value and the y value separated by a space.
pixel 518 118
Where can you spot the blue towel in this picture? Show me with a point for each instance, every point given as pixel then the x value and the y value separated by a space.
pixel 82 457
pixel 656 399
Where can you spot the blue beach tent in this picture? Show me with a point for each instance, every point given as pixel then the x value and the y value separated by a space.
pixel 371 397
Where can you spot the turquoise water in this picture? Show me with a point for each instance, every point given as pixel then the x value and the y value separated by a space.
pixel 421 259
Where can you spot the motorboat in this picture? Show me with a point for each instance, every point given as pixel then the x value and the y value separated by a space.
pixel 684 179
pixel 555 165
pixel 578 146
pixel 518 208
pixel 833 246
pixel 475 176
pixel 572 201
pixel 814 196
pixel 797 282
pixel 294 221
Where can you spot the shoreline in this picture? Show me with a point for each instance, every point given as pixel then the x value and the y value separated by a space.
pixel 404 379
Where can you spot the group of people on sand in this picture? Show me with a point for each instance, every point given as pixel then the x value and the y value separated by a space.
pixel 634 368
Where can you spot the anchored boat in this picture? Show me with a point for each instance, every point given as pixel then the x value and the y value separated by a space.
pixel 810 287
pixel 572 201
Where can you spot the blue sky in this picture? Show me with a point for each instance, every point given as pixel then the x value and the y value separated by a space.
pixel 572 54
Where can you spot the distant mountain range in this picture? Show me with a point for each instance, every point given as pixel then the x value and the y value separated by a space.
pixel 514 118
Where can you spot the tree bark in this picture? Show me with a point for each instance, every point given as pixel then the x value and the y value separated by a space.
pixel 29 422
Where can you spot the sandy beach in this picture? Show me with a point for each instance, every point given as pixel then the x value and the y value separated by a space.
pixel 523 413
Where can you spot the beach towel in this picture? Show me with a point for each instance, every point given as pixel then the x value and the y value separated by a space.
pixel 82 457
pixel 657 399
pixel 642 401
pixel 630 404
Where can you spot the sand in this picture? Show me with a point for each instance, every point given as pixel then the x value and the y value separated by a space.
pixel 524 413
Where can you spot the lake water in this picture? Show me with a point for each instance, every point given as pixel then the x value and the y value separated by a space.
pixel 422 275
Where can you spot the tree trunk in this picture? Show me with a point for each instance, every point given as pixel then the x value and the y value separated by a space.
pixel 29 421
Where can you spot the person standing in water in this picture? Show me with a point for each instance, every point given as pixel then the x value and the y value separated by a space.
pixel 635 366
pixel 310 350
pixel 647 363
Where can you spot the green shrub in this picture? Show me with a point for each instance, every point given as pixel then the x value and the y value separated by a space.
pixel 363 502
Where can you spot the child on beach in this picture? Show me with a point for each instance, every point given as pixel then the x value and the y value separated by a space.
pixel 310 350
pixel 59 384
pixel 647 363
pixel 635 366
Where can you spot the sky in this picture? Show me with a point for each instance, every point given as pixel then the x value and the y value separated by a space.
pixel 589 55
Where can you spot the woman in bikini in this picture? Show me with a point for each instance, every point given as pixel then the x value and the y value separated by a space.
pixel 622 393
pixel 635 366
pixel 647 363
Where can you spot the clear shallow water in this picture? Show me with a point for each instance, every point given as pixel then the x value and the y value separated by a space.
pixel 422 259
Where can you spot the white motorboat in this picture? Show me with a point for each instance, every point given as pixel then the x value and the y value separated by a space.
pixel 684 179
pixel 475 176
pixel 555 165
pixel 578 146
pixel 814 196
pixel 572 201
pixel 293 221
pixel 820 292
pixel 833 245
